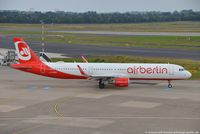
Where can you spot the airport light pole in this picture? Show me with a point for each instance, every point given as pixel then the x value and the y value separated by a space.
pixel 43 39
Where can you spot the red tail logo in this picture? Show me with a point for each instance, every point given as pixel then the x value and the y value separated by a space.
pixel 23 50
pixel 25 54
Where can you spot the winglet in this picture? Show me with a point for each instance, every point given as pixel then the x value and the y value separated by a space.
pixel 84 59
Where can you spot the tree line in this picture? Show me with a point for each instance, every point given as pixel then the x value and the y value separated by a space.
pixel 59 17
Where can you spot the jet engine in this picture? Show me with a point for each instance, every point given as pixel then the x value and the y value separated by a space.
pixel 121 82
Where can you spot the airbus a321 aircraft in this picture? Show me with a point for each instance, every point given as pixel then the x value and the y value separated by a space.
pixel 118 74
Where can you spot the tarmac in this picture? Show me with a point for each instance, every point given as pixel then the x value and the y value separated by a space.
pixel 31 104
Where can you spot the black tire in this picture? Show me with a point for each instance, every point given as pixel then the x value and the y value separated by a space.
pixel 101 85
pixel 170 86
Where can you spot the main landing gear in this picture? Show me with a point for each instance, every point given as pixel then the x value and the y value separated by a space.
pixel 101 84
pixel 169 84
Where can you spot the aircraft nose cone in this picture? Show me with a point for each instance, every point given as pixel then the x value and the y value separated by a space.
pixel 189 75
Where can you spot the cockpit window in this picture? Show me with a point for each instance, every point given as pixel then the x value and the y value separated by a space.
pixel 181 69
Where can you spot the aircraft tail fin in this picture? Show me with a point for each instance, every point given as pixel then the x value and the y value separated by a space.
pixel 25 54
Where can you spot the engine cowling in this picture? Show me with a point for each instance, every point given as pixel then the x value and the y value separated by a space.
pixel 121 82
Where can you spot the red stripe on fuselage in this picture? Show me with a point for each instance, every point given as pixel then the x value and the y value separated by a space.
pixel 44 70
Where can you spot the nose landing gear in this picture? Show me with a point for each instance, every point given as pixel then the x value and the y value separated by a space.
pixel 169 84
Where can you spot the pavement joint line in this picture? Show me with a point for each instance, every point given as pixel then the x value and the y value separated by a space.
pixel 13 98
pixel 40 125
pixel 28 129
pixel 56 106
pixel 118 117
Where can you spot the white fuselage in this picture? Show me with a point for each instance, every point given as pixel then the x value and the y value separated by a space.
pixel 132 71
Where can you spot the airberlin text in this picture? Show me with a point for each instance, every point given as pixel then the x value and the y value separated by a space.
pixel 147 70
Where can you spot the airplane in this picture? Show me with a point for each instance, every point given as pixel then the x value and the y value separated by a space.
pixel 118 74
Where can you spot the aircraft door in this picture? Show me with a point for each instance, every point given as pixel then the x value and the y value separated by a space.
pixel 171 69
